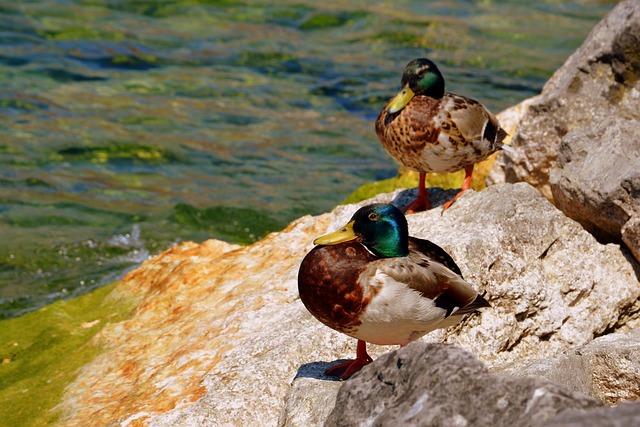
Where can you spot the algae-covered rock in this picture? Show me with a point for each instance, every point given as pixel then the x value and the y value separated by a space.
pixel 42 351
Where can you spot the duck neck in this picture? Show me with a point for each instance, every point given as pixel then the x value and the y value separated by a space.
pixel 431 85
pixel 389 243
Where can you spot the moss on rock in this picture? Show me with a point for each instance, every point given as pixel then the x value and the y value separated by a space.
pixel 41 352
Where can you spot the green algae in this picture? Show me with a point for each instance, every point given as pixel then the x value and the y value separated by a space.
pixel 19 104
pixel 147 121
pixel 329 20
pixel 134 61
pixel 116 151
pixel 247 226
pixel 41 352
pixel 80 33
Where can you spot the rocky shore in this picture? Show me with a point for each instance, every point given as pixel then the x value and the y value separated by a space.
pixel 218 335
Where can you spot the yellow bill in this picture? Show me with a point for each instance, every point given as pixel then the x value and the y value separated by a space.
pixel 345 234
pixel 400 100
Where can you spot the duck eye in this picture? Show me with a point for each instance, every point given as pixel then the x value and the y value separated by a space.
pixel 374 216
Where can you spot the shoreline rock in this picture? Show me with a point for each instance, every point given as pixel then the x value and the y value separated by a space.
pixel 442 385
pixel 578 140
pixel 598 81
pixel 597 179
pixel 219 333
pixel 607 368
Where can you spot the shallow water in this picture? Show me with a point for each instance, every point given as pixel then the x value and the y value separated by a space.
pixel 128 126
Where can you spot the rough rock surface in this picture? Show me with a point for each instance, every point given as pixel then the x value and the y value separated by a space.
pixel 216 337
pixel 442 385
pixel 600 80
pixel 219 333
pixel 631 235
pixel 597 181
pixel 311 398
pixel 552 285
pixel 624 415
pixel 607 368
pixel 509 120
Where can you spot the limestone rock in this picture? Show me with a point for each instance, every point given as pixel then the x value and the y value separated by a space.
pixel 597 180
pixel 443 385
pixel 599 80
pixel 631 235
pixel 216 337
pixel 624 415
pixel 509 120
pixel 551 284
pixel 607 368
pixel 218 332
pixel 311 398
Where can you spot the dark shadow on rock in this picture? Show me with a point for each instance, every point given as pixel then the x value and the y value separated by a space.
pixel 437 196
pixel 317 370
pixel 626 252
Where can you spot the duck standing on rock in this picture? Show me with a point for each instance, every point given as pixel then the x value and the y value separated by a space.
pixel 429 130
pixel 374 282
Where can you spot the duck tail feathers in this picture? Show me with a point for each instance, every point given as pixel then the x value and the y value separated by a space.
pixel 478 303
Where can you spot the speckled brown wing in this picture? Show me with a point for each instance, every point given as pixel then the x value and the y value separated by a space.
pixel 469 122
pixel 417 270
pixel 328 284
pixel 434 252
pixel 434 274
pixel 407 133
pixel 439 135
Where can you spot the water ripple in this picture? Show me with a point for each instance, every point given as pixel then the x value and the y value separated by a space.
pixel 128 126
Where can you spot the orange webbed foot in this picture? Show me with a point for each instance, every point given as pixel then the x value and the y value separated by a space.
pixel 346 369
pixel 421 203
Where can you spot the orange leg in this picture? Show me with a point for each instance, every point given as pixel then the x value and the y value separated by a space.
pixel 466 184
pixel 421 203
pixel 352 366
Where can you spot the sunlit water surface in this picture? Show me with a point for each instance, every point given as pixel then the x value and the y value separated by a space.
pixel 129 126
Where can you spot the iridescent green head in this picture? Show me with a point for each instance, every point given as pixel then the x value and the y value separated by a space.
pixel 381 228
pixel 420 77
pixel 423 78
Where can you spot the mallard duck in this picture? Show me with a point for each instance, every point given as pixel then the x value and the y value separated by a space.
pixel 374 282
pixel 429 130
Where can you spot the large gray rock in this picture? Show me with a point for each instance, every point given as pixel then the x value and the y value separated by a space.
pixel 443 385
pixel 599 80
pixel 624 415
pixel 552 285
pixel 597 179
pixel 607 368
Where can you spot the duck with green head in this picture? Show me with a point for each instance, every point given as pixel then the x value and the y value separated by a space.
pixel 429 130
pixel 374 282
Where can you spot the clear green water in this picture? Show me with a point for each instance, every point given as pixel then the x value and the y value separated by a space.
pixel 128 126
